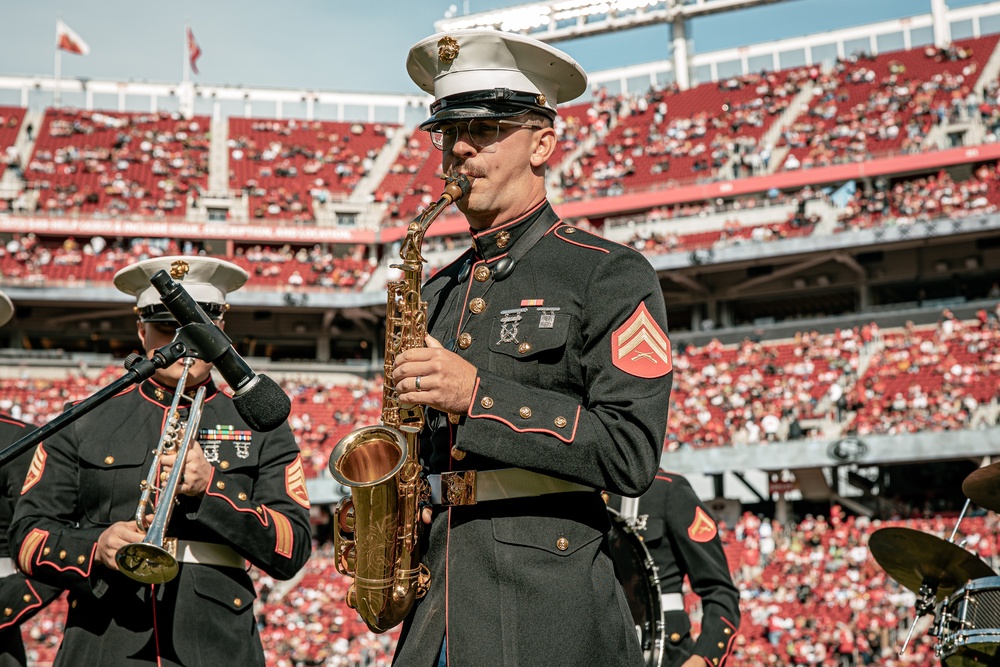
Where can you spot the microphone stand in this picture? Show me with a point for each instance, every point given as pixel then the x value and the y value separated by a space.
pixel 138 370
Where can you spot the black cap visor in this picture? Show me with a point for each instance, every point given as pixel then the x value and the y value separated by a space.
pixel 159 313
pixel 499 103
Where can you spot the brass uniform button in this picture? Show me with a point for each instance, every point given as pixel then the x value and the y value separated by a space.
pixel 46 551
pixel 224 465
pixel 675 637
pixel 503 238
pixel 562 544
pixel 242 496
pixel 728 631
pixel 81 559
pixel 237 602
pixel 465 340
pixel 159 394
pixel 220 485
pixel 457 454
pixel 487 402
pixel 8 611
pixel 722 645
pixel 560 422
pixel 524 348
pixel 73 604
pixel 454 418
pixel 571 230
pixel 477 305
pixel 715 661
pixel 482 273
pixel 27 597
pixel 525 412
pixel 260 510
pixel 108 460
pixel 62 555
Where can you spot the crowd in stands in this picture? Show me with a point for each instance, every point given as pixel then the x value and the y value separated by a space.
pixel 105 164
pixel 286 165
pixel 912 200
pixel 28 258
pixel 874 105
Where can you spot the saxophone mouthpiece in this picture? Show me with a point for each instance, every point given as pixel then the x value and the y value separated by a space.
pixel 458 185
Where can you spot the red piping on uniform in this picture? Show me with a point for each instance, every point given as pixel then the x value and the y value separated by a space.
pixel 729 644
pixel 26 609
pixel 208 492
pixel 664 478
pixel 447 545
pixel 584 245
pixel 12 423
pixel 576 420
pixel 39 561
pixel 516 220
pixel 557 223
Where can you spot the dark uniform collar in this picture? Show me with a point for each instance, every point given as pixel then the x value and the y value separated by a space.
pixel 498 240
pixel 164 395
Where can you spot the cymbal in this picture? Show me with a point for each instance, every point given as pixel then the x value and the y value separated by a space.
pixel 983 487
pixel 912 557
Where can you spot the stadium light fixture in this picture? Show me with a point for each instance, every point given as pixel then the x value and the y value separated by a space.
pixel 539 15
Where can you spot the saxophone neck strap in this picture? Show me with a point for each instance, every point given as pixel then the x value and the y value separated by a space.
pixel 524 243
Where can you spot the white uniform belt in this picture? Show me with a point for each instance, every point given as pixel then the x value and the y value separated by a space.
pixel 468 487
pixel 672 602
pixel 207 553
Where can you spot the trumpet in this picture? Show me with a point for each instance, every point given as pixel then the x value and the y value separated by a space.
pixel 154 560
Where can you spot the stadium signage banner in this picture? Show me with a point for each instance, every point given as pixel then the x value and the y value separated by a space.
pixel 162 229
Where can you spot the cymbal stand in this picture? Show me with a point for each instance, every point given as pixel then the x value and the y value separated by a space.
pixel 924 606
pixel 928 589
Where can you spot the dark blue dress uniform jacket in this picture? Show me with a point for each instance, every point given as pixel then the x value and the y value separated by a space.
pixel 20 597
pixel 87 476
pixel 683 540
pixel 573 382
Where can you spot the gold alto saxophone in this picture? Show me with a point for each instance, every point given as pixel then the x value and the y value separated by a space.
pixel 377 527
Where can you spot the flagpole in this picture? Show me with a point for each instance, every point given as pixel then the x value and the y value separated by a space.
pixel 55 101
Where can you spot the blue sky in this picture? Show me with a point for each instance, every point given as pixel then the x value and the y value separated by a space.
pixel 349 45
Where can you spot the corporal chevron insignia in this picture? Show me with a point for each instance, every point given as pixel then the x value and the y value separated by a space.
pixel 640 348
pixel 702 529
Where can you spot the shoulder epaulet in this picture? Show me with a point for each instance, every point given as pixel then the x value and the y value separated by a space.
pixel 584 239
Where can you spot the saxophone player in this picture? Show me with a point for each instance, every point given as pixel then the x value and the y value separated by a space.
pixel 547 371
pixel 241 500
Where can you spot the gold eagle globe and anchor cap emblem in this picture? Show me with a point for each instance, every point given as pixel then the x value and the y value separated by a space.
pixel 447 49
pixel 179 269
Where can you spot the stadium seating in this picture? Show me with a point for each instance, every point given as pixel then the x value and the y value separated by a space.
pixel 873 106
pixel 286 164
pixel 105 163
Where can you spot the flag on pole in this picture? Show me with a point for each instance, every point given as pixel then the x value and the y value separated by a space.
pixel 67 40
pixel 194 51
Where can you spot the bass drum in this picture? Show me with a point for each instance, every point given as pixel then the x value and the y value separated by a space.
pixel 637 574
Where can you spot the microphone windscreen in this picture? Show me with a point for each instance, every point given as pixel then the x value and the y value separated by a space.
pixel 264 407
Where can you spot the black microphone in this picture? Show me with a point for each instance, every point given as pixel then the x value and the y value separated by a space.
pixel 259 400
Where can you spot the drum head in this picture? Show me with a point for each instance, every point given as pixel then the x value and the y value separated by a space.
pixel 642 590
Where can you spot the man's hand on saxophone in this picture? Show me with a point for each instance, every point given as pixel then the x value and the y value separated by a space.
pixel 447 381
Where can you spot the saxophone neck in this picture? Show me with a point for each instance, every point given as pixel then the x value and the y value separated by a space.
pixel 456 187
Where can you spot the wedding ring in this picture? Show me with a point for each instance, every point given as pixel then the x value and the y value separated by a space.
pixel 418 383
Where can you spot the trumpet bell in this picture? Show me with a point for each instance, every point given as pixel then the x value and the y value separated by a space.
pixel 147 563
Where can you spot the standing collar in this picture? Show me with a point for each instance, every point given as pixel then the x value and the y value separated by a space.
pixel 496 241
pixel 164 395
